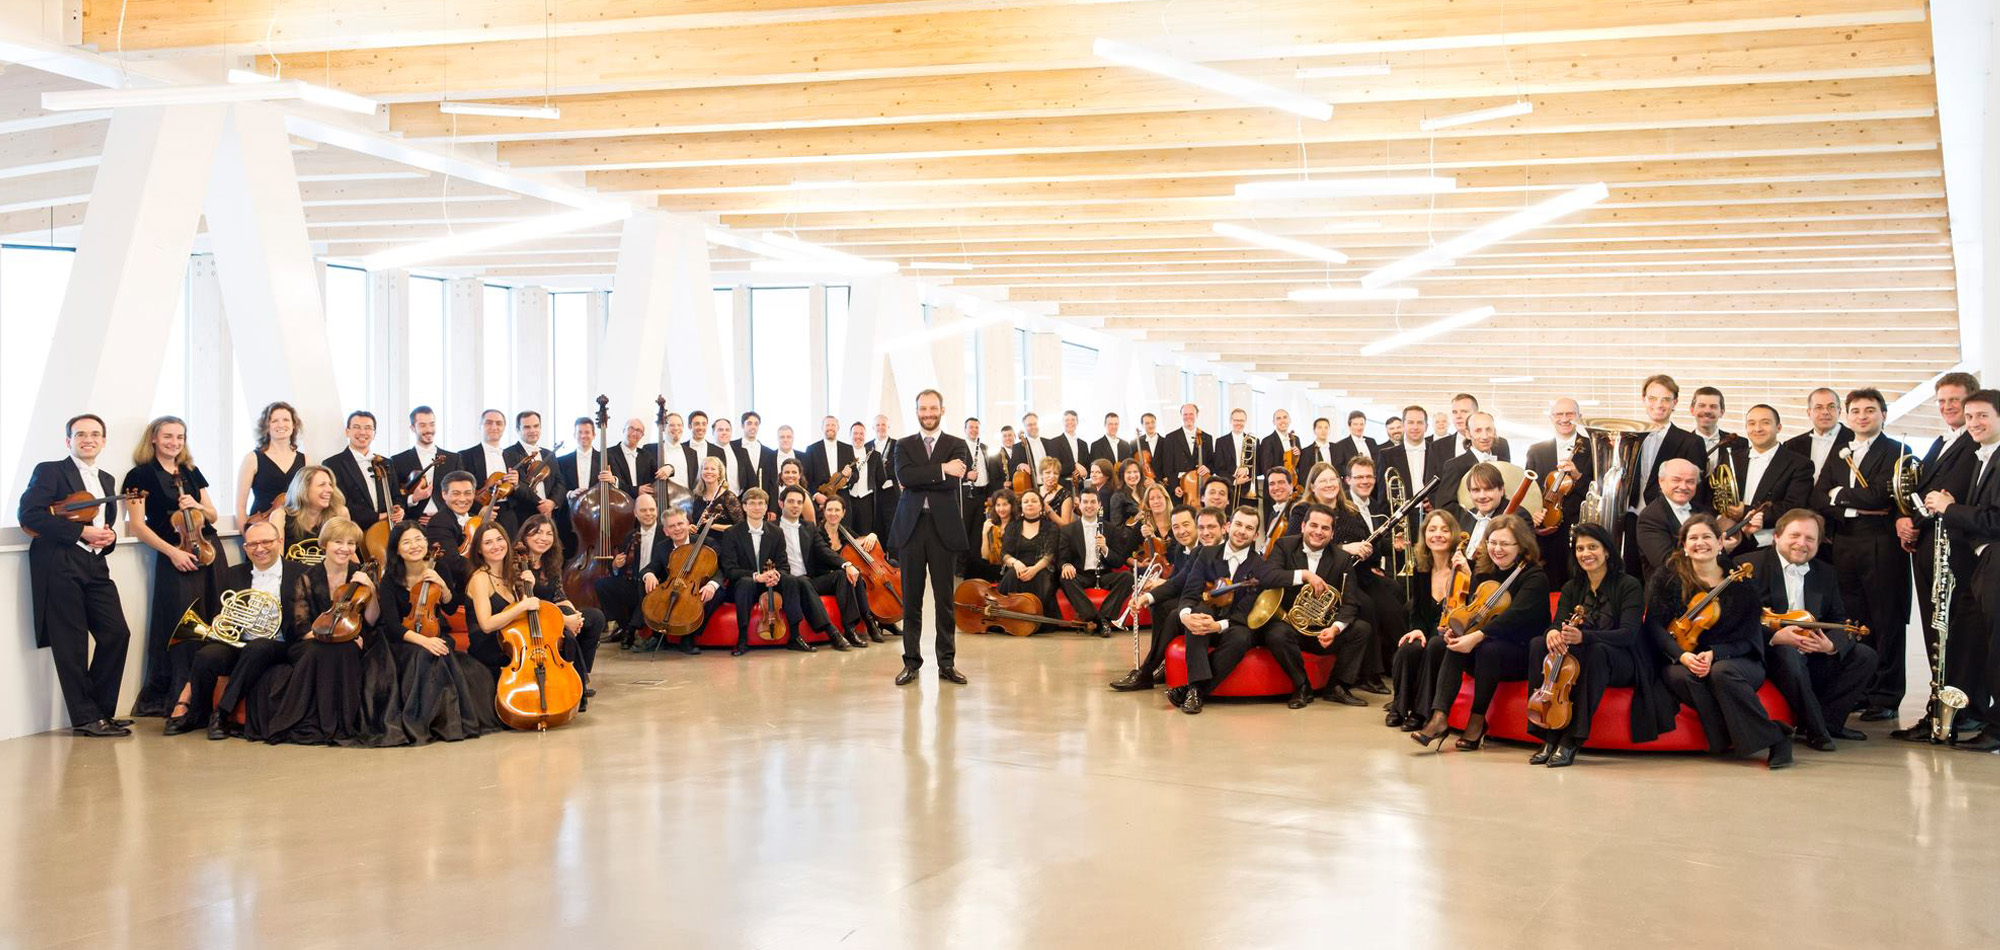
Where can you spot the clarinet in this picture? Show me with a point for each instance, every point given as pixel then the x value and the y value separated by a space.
pixel 1945 700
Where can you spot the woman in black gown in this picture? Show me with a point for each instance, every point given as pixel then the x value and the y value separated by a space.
pixel 985 563
pixel 323 697
pixel 440 692
pixel 311 501
pixel 542 572
pixel 1610 649
pixel 1058 502
pixel 267 471
pixel 1498 651
pixel 1720 676
pixel 165 471
pixel 854 612
pixel 1413 669
pixel 1029 554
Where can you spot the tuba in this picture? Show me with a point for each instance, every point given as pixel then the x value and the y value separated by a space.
pixel 1903 482
pixel 1612 454
pixel 246 615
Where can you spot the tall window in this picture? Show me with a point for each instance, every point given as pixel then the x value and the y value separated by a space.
pixel 1079 370
pixel 347 332
pixel 779 320
pixel 1187 387
pixel 1260 410
pixel 1025 392
pixel 975 389
pixel 427 303
pixel 569 332
pixel 32 281
pixel 838 301
pixel 496 357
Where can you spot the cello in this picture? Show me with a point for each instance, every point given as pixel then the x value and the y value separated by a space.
pixel 674 608
pixel 883 584
pixel 537 687
pixel 1549 705
pixel 601 515
pixel 978 606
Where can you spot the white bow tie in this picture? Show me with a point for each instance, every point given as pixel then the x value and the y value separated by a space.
pixel 1797 570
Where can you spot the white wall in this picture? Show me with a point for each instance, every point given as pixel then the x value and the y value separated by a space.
pixel 29 699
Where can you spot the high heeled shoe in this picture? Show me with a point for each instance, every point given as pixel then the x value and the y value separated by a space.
pixel 1541 756
pixel 1424 737
pixel 1467 742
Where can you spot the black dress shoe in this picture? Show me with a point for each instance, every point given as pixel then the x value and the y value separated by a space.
pixel 1781 755
pixel 1392 719
pixel 838 642
pixel 589 691
pixel 875 635
pixel 1856 735
pixel 1412 722
pixel 1877 714
pixel 1176 694
pixel 1983 742
pixel 181 724
pixel 1133 682
pixel 1300 698
pixel 738 650
pixel 1340 694
pixel 1191 703
pixel 122 723
pixel 1375 686
pixel 1819 743
pixel 646 644
pixel 951 673
pixel 800 645
pixel 689 647
pixel 854 640
pixel 218 726
pixel 1541 756
pixel 1564 754
pixel 101 728
pixel 1920 732
pixel 908 676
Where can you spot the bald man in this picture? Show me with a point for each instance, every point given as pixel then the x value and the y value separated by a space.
pixel 1481 446
pixel 1660 521
pixel 631 460
pixel 1567 451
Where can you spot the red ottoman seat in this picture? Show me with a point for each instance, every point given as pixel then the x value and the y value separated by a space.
pixel 1258 674
pixel 1097 595
pixel 721 628
pixel 1507 718
pixel 455 622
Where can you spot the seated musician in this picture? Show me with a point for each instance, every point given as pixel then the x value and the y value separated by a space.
pixel 1360 513
pixel 1100 481
pixel 1156 515
pixel 163 468
pixel 712 489
pixel 1028 553
pixel 1087 559
pixel 1610 647
pixel 1323 486
pixel 1413 670
pixel 849 595
pixel 311 501
pixel 657 569
pixel 1057 500
pixel 1719 678
pixel 1123 503
pixel 1660 521
pixel 1497 650
pixel 814 570
pixel 1310 561
pixel 791 472
pixel 1184 547
pixel 199 663
pixel 1001 508
pixel 542 573
pixel 448 529
pixel 618 592
pixel 1224 626
pixel 747 548
pixel 441 693
pixel 1488 489
pixel 1823 673
pixel 324 698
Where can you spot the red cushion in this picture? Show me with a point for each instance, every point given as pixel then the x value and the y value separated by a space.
pixel 1258 675
pixel 239 714
pixel 1507 718
pixel 721 628
pixel 1097 595
pixel 456 624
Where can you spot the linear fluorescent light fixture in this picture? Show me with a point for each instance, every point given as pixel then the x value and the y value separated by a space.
pixel 72 100
pixel 1507 111
pixel 499 110
pixel 1229 84
pixel 1500 229
pixel 245 75
pixel 1279 243
pixel 470 241
pixel 1343 72
pixel 1428 330
pixel 1348 187
pixel 811 265
pixel 1337 294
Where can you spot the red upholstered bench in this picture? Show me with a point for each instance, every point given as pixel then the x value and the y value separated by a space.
pixel 1507 718
pixel 456 624
pixel 1097 595
pixel 1258 674
pixel 721 628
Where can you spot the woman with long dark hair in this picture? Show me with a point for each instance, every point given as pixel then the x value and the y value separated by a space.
pixel 541 571
pixel 1610 647
pixel 1720 675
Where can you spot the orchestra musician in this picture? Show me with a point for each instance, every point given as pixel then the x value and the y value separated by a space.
pixel 1498 651
pixel 489 457
pixel 1827 435
pixel 677 532
pixel 814 570
pixel 985 562
pixel 1482 445
pixel 1488 490
pixel 75 600
pixel 448 530
pixel 1662 441
pixel 1360 512
pixel 1567 451
pixel 1853 495
pixel 848 591
pixel 1271 449
pixel 361 476
pixel 1226 626
pixel 711 490
pixel 580 468
pixel 1976 520
pixel 1028 551
pixel 1707 407
pixel 784 453
pixel 1149 437
pixel 1057 500
pixel 1409 459
pixel 792 473
pixel 1320 449
pixel 988 472
pixel 424 500
pixel 1822 673
pixel 1356 444
pixel 1070 448
pixel 1720 679
pixel 1183 451
pixel 198 664
pixel 698 446
pixel 1229 456
pixel 619 591
pixel 1088 559
pixel 861 493
pixel 541 575
pixel 320 695
pixel 1767 474
pixel 441 693
pixel 928 534
pixel 823 458
pixel 163 468
pixel 1659 526
pixel 1028 450
pixel 1278 505
pixel 632 462
pixel 1310 560
pixel 540 499
pixel 1163 594
pixel 746 548
pixel 762 459
pixel 1413 670
pixel 1392 430
pixel 1610 647
pixel 886 489
pixel 735 461
pixel 1122 502
pixel 1109 447
pixel 1443 449
pixel 1948 466
pixel 310 502
pixel 269 467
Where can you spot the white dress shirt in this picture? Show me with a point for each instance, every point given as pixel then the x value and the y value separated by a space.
pixel 496 459
pixel 859 487
pixel 270 580
pixel 1795 585
pixel 535 451
pixel 1089 543
pixel 1649 451
pixel 1414 452
pixel 730 469
pixel 794 551
pixel 645 546
pixel 1822 448
pixel 756 454
pixel 1753 479
pixel 1313 556
pixel 1361 505
pixel 978 462
pixel 93 485
pixel 1360 445
pixel 632 464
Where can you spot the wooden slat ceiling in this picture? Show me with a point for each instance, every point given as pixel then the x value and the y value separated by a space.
pixel 1776 219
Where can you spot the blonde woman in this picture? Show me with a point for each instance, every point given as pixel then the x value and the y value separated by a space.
pixel 163 468
pixel 311 500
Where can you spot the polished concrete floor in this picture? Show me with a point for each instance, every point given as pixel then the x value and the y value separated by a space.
pixel 793 801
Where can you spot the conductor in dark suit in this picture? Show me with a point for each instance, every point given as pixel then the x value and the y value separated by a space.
pixel 1821 672
pixel 928 533
pixel 75 598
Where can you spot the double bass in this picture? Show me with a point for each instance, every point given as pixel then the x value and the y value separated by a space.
pixel 537 687
pixel 883 584
pixel 674 608
pixel 1549 705
pixel 601 515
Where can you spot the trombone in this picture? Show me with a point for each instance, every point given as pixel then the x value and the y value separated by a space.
pixel 1398 495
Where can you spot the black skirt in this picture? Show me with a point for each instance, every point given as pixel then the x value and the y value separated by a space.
pixel 321 698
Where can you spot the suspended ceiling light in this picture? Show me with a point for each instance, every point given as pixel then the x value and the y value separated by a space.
pixel 1438 255
pixel 72 100
pixel 1343 72
pixel 1428 330
pixel 1279 243
pixel 1507 111
pixel 1229 84
pixel 1337 294
pixel 1347 187
pixel 501 110
pixel 505 234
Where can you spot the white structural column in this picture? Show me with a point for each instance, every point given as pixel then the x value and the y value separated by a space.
pixel 661 307
pixel 884 339
pixel 1045 365
pixel 596 313
pixel 464 372
pixel 816 343
pixel 947 335
pixel 531 356
pixel 212 392
pixel 389 352
pixel 736 329
pixel 270 286
pixel 998 405
pixel 1207 396
pixel 130 262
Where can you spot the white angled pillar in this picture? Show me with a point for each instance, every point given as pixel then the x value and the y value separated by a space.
pixel 211 392
pixel 389 348
pixel 999 377
pixel 816 352
pixel 464 372
pixel 947 334
pixel 662 310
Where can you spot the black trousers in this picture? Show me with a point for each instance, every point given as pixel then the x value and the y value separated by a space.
pixel 619 597
pixel 1598 668
pixel 1822 688
pixel 582 645
pixel 924 559
pixel 973 508
pixel 1975 636
pixel 1387 618
pixel 1288 646
pixel 1726 700
pixel 802 603
pixel 1164 632
pixel 1413 673
pixel 1492 662
pixel 1116 584
pixel 245 666
pixel 1874 573
pixel 1205 669
pixel 83 605
pixel 173 593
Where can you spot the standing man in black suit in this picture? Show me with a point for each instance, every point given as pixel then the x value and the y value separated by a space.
pixel 763 459
pixel 1949 466
pixel 928 533
pixel 735 462
pixel 1149 439
pixel 1826 436
pixel 1975 629
pixel 1320 449
pixel 541 497
pixel 75 598
pixel 862 494
pixel 825 457
pixel 1448 447
pixel 1569 452
pixel 1071 449
pixel 631 461
pixel 1184 450
pixel 363 477
pixel 1821 673
pixel 1663 441
pixel 488 457
pixel 1109 447
pixel 426 498
pixel 698 447
pixel 988 473
pixel 1029 450
pixel 581 468
pixel 886 491
pixel 1271 448
pixel 1707 407
pixel 1861 523
pixel 1481 446
pixel 1410 460
pixel 1229 457
pixel 1767 474
pixel 1357 443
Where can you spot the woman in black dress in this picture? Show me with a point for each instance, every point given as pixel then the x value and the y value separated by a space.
pixel 854 612
pixel 312 500
pixel 542 572
pixel 1610 649
pixel 710 491
pixel 440 692
pixel 323 698
pixel 1720 676
pixel 1029 554
pixel 1002 507
pixel 267 471
pixel 1498 651
pixel 163 469
pixel 1058 502
pixel 791 472
pixel 1414 667
pixel 1122 504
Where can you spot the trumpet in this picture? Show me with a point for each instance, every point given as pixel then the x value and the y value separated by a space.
pixel 246 615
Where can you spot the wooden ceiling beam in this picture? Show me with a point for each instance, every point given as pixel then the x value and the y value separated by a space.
pixel 1746 304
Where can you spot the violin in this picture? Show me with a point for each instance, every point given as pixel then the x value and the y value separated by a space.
pixel 81 507
pixel 1555 487
pixel 978 606
pixel 1549 705
pixel 537 688
pixel 1154 548
pixel 1488 601
pixel 480 517
pixel 192 524
pixel 1704 611
pixel 343 621
pixel 674 607
pixel 265 515
pixel 1774 620
pixel 417 478
pixel 601 515
pixel 1220 594
pixel 995 537
pixel 840 479
pixel 1278 528
pixel 771 627
pixel 425 595
pixel 884 584
pixel 1191 484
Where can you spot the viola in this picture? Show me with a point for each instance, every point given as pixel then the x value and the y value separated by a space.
pixel 537 687
pixel 1774 620
pixel 1486 602
pixel 425 595
pixel 1549 705
pixel 1704 611
pixel 602 517
pixel 478 518
pixel 674 608
pixel 1555 487
pixel 344 620
pixel 883 584
pixel 192 525
pixel 81 507
pixel 1145 459
pixel 978 606
pixel 771 627
pixel 995 538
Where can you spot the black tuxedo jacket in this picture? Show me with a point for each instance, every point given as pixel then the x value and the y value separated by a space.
pixel 574 478
pixel 443 530
pixel 474 460
pixel 1822 593
pixel 818 468
pixel 629 480
pixel 1439 451
pixel 354 486
pixel 1876 467
pixel 1070 545
pixel 1344 451
pixel 1288 556
pixel 744 480
pixel 1110 449
pixel 1229 454
pixel 405 463
pixel 1542 460
pixel 1951 470
pixel 995 462
pixel 1271 453
pixel 921 477
pixel 1659 532
pixel 766 462
pixel 1152 446
pixel 1019 456
pixel 819 556
pixel 1802 444
pixel 1214 568
pixel 1973 518
pixel 54 548
pixel 524 500
pixel 1678 443
pixel 1174 460
pixel 738 561
pixel 1059 446
pixel 1787 481
pixel 687 462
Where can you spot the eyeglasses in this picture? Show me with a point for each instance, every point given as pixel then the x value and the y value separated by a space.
pixel 258 544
